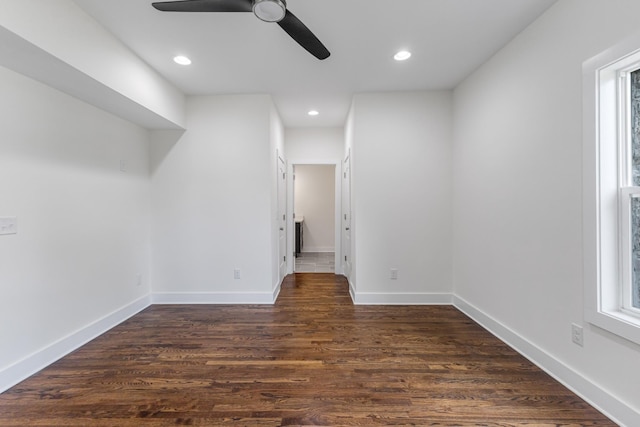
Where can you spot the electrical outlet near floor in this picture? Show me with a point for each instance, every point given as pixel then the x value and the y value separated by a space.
pixel 236 274
pixel 394 274
pixel 577 335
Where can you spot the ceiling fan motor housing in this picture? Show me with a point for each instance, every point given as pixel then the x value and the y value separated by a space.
pixel 270 10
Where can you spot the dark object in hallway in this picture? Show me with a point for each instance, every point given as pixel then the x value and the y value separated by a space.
pixel 311 359
pixel 299 236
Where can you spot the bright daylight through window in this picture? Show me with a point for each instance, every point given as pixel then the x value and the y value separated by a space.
pixel 630 86
pixel 612 189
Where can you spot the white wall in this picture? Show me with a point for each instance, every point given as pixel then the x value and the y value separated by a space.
pixel 317 144
pixel 314 200
pixel 82 223
pixel 401 174
pixel 517 204
pixel 212 203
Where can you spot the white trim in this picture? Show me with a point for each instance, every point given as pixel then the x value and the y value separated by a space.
pixel 280 158
pixel 214 297
pixel 276 291
pixel 595 395
pixel 318 249
pixel 386 298
pixel 39 360
pixel 352 291
pixel 601 183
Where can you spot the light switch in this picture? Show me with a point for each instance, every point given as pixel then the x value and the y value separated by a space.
pixel 8 225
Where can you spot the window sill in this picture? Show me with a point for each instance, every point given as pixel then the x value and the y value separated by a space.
pixel 616 322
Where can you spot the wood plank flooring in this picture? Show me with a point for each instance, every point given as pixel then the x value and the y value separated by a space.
pixel 311 359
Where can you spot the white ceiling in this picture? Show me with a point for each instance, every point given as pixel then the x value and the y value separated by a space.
pixel 237 53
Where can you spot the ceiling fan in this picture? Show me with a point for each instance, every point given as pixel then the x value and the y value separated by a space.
pixel 266 10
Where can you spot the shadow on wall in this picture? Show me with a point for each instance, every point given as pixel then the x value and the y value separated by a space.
pixel 162 142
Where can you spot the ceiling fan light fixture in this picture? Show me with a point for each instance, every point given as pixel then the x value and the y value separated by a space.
pixel 270 10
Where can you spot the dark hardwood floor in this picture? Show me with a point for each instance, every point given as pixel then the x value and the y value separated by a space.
pixel 311 359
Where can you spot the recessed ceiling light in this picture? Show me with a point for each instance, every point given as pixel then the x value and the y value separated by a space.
pixel 403 55
pixel 182 60
pixel 313 113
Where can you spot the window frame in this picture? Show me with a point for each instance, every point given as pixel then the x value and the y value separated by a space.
pixel 628 191
pixel 606 190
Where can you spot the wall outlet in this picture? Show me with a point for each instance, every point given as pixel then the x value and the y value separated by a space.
pixel 124 165
pixel 236 274
pixel 577 335
pixel 139 280
pixel 8 225
pixel 394 274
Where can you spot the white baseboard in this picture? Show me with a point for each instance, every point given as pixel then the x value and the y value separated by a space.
pixel 276 291
pixel 318 249
pixel 352 291
pixel 39 360
pixel 213 297
pixel 379 298
pixel 597 397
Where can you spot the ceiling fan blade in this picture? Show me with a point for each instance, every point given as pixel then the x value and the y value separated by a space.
pixel 205 6
pixel 300 33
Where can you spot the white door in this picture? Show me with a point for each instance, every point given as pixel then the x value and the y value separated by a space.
pixel 282 217
pixel 346 216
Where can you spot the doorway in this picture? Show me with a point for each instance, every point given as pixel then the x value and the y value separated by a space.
pixel 314 208
pixel 314 198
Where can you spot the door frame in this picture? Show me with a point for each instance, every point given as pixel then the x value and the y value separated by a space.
pixel 281 158
pixel 337 215
pixel 347 233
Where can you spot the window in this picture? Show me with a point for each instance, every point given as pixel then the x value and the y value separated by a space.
pixel 629 139
pixel 612 189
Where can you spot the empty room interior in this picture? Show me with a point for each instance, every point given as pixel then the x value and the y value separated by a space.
pixel 151 267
